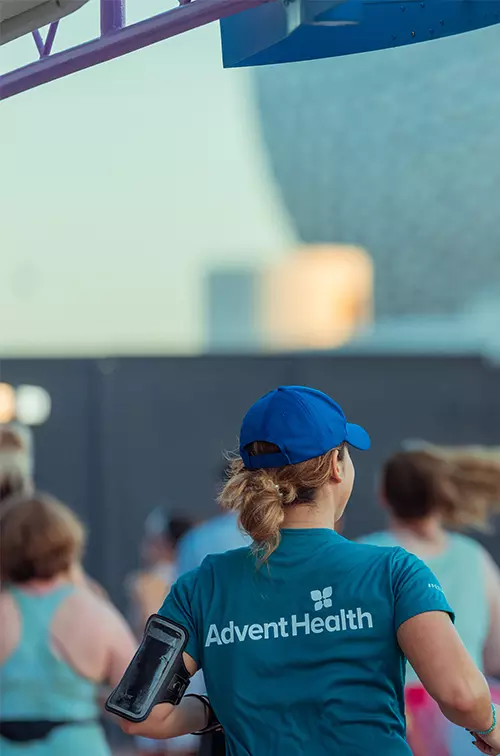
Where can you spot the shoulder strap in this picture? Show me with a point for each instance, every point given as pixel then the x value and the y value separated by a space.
pixel 37 611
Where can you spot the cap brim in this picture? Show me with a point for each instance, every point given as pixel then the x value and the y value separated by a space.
pixel 358 437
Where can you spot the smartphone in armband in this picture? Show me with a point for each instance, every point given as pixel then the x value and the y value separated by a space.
pixel 156 674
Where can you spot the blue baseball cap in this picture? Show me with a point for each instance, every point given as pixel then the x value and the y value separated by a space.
pixel 302 422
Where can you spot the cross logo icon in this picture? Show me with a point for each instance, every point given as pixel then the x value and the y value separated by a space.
pixel 322 599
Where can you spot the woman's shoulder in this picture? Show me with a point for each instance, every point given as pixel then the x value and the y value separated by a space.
pixel 84 604
pixel 466 546
pixel 6 598
pixel 79 578
pixel 214 568
pixel 381 553
pixel 100 619
pixel 8 609
pixel 82 600
pixel 226 559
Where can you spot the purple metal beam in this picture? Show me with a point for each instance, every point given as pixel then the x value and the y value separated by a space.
pixel 38 41
pixel 123 41
pixel 112 15
pixel 47 48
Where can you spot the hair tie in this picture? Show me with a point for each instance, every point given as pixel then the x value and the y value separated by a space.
pixel 280 492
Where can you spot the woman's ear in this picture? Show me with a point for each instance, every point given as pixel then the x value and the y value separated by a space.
pixel 337 467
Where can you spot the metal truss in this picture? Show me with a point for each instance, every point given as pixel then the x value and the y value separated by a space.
pixel 115 39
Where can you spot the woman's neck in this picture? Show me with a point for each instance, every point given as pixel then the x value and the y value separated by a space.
pixel 317 515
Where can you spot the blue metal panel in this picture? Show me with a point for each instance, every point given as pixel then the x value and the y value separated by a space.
pixel 294 30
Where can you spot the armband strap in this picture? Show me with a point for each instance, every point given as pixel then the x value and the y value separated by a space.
pixel 213 724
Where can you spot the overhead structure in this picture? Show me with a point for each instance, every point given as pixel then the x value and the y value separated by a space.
pixel 116 39
pixel 296 30
pixel 20 17
pixel 254 32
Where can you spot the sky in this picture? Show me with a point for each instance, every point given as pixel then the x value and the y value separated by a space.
pixel 121 186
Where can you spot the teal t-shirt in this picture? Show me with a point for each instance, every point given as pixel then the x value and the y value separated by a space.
pixel 300 655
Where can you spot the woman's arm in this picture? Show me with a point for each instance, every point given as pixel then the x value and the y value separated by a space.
pixel 167 721
pixel 80 579
pixel 434 649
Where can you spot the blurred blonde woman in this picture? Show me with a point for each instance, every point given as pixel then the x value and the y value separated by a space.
pixel 60 642
pixel 431 494
pixel 16 475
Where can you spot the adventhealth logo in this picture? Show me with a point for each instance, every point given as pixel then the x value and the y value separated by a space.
pixel 322 598
pixel 346 620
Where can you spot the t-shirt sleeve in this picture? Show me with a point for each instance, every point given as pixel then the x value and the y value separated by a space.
pixel 416 589
pixel 179 607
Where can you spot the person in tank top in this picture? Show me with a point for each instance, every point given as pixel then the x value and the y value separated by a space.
pixel 60 642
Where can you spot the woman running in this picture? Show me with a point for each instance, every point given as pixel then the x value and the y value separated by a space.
pixel 302 637
pixel 59 642
pixel 425 492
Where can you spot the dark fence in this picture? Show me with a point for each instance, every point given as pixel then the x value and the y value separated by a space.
pixel 126 435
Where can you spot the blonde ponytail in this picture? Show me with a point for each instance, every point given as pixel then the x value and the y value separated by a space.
pixel 260 497
pixel 258 501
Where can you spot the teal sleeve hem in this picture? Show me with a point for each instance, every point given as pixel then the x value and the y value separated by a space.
pixel 415 612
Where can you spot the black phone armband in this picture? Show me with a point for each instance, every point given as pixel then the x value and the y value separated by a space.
pixel 156 674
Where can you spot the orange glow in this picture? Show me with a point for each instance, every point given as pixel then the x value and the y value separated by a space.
pixel 7 403
pixel 318 297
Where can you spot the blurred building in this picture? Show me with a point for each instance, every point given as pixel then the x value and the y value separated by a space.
pixel 318 297
pixel 315 297
pixel 395 151
pixel 171 179
pixel 164 211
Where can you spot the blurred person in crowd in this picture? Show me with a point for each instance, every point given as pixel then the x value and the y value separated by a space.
pixel 220 533
pixel 16 470
pixel 148 587
pixel 147 590
pixel 16 478
pixel 60 642
pixel 431 494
